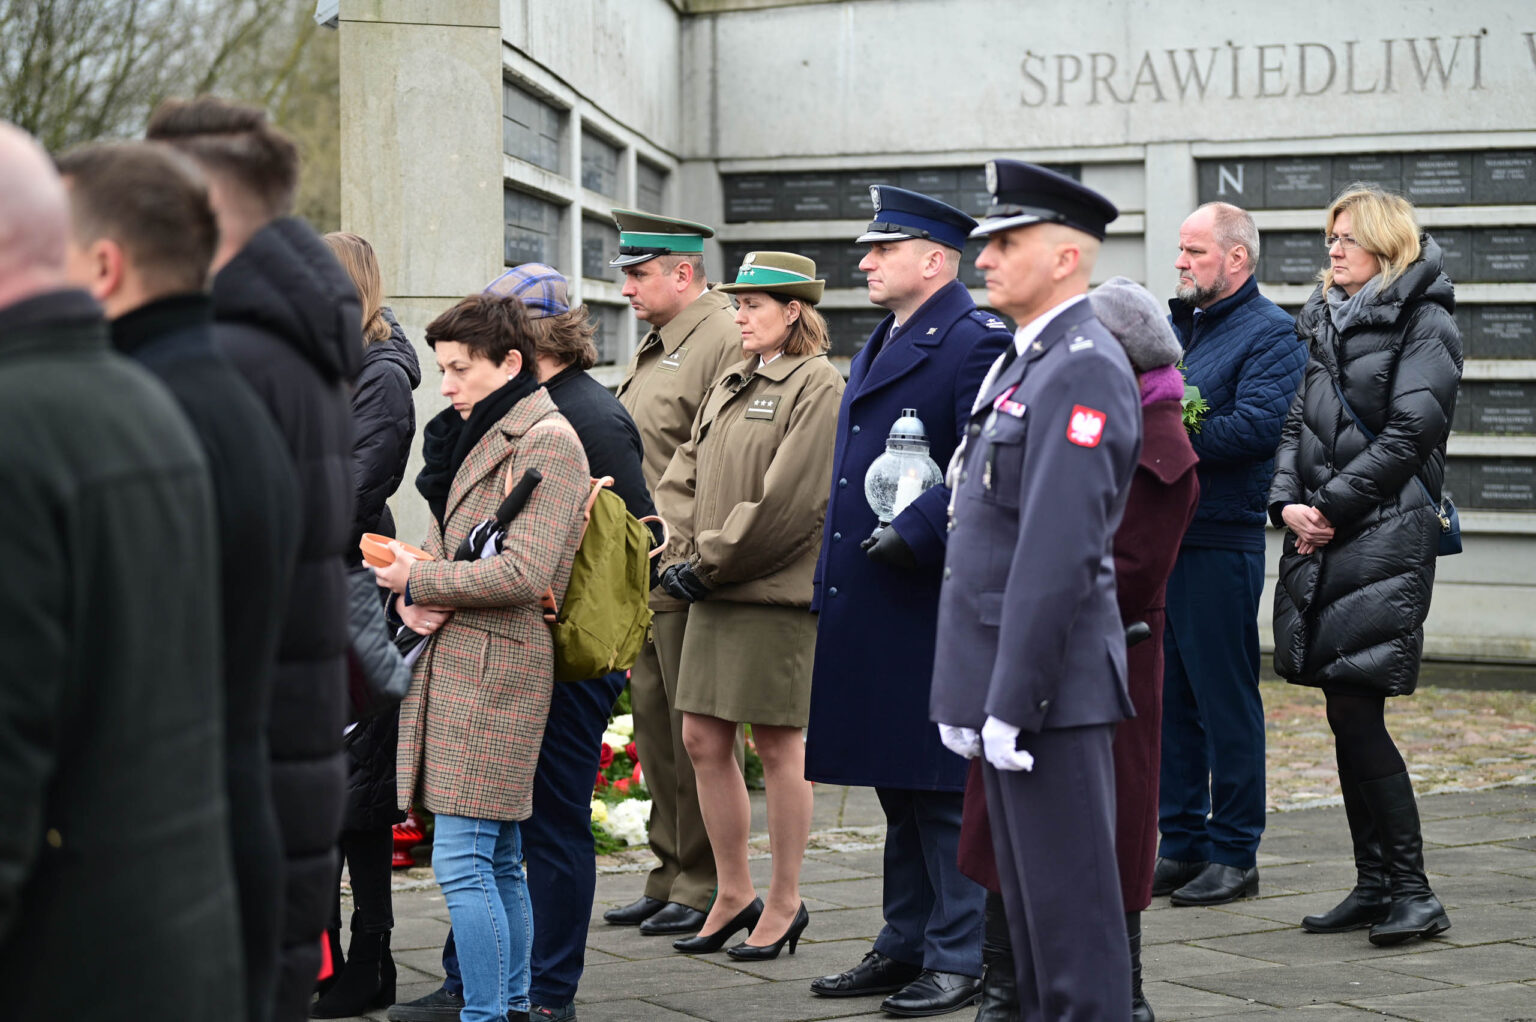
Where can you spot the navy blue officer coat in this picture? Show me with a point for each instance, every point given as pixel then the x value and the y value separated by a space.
pixel 875 637
pixel 1029 631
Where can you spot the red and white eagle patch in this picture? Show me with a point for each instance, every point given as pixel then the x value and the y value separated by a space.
pixel 1086 426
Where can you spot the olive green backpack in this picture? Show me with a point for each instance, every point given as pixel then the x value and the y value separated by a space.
pixel 602 624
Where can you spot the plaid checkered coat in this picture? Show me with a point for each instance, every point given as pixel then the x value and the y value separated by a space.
pixel 472 723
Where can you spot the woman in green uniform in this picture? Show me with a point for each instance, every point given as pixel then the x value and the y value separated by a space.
pixel 745 497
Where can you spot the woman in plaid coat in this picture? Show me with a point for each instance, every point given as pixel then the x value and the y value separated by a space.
pixel 472 724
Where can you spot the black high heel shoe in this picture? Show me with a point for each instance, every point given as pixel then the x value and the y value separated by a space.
pixel 707 943
pixel 745 952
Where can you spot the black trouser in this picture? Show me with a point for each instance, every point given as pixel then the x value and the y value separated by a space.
pixel 367 854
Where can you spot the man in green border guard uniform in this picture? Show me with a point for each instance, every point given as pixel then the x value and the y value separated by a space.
pixel 692 340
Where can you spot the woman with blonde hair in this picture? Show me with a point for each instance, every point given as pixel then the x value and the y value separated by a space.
pixel 745 497
pixel 1358 480
pixel 383 423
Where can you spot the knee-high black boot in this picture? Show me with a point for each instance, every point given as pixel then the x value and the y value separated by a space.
pixel 1415 911
pixel 1141 1011
pixel 999 987
pixel 1367 904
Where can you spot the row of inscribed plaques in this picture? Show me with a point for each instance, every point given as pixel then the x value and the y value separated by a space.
pixel 1503 177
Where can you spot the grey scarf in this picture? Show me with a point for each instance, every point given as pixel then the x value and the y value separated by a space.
pixel 1347 310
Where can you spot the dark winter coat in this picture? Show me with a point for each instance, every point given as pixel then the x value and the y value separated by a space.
pixel 607 433
pixel 383 425
pixel 1243 354
pixel 116 897
pixel 875 636
pixel 1352 614
pixel 286 314
pixel 256 496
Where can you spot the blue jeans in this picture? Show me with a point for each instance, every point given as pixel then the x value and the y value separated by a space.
pixel 479 865
pixel 557 840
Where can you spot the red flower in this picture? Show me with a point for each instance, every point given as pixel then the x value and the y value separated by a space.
pixel 621 785
pixel 632 752
pixel 605 757
pixel 600 783
pixel 635 777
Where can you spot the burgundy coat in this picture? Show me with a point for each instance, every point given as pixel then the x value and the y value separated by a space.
pixel 1161 504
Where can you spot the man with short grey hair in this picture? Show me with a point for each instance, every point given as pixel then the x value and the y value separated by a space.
pixel 1241 351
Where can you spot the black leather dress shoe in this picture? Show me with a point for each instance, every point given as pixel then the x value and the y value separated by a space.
pixel 1218 884
pixel 635 913
pixel 876 974
pixel 673 918
pixel 1168 875
pixel 933 993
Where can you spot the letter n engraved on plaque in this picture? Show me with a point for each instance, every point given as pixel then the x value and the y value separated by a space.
pixel 1233 176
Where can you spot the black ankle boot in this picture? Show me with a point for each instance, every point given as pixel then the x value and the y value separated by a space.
pixel 999 987
pixel 1415 911
pixel 1141 1011
pixel 1367 904
pixel 368 982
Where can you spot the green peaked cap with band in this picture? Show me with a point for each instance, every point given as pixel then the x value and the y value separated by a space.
pixel 782 273
pixel 645 236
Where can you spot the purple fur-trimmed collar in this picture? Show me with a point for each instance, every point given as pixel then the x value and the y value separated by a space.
pixel 1162 384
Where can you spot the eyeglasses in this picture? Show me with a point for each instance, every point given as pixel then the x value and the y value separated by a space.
pixel 1344 241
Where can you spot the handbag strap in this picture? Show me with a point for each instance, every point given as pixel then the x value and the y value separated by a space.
pixel 1445 522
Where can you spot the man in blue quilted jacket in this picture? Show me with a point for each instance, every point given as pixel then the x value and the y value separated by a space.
pixel 1242 352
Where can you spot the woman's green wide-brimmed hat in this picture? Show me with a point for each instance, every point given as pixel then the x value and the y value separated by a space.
pixel 782 273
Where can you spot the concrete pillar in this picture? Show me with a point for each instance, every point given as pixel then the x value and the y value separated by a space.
pixel 1172 194
pixel 423 186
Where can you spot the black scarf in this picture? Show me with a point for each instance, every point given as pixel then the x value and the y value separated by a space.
pixel 447 440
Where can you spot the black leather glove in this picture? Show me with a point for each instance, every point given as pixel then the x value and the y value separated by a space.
pixel 682 582
pixel 885 546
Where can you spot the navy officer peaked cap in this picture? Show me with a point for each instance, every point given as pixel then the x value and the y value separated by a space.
pixel 1025 193
pixel 901 214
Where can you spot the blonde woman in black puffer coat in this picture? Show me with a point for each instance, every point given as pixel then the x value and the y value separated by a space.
pixel 1358 486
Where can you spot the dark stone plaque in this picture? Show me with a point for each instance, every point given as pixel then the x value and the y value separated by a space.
pixel 850 329
pixel 1501 254
pixel 1461 419
pixel 1507 177
pixel 1500 331
pixel 1456 251
pixel 855 204
pixel 970 275
pixel 971 195
pixel 1505 484
pixel 609 320
pixel 809 196
pixel 733 253
pixel 1438 179
pixel 1458 480
pixel 1238 181
pixel 531 224
pixel 750 197
pixel 599 243
pixel 1291 257
pixel 1503 407
pixel 1384 170
pixel 1298 184
pixel 942 183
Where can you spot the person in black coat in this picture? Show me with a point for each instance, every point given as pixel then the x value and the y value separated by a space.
pixel 557 839
pixel 384 423
pixel 147 263
pixel 116 894
pixel 287 315
pixel 1358 485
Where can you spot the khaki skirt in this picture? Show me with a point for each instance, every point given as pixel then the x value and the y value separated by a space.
pixel 747 662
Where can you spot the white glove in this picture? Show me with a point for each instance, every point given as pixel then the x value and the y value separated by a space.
pixel 962 741
pixel 998 739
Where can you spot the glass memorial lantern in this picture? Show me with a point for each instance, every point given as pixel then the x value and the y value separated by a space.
pixel 905 470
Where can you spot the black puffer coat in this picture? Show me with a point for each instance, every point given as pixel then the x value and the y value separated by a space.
pixel 286 314
pixel 1351 615
pixel 384 423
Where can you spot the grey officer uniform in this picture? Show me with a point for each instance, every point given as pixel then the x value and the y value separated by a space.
pixel 1029 633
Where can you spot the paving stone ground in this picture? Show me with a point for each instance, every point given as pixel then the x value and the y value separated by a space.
pixel 1249 960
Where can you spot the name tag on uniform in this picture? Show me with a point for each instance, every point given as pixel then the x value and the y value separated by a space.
pixel 762 408
pixel 1004 403
pixel 673 362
